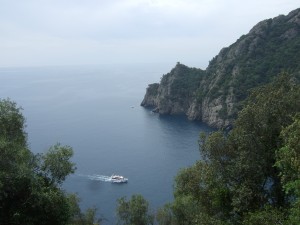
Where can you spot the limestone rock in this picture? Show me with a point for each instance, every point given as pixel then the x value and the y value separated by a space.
pixel 214 95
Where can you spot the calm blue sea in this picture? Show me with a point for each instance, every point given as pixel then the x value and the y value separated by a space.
pixel 96 110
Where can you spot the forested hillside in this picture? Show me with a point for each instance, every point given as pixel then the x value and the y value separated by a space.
pixel 214 95
pixel 247 175
pixel 250 175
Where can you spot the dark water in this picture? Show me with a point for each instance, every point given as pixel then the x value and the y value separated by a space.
pixel 95 109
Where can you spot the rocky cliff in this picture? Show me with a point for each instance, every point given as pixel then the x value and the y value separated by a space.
pixel 176 91
pixel 214 95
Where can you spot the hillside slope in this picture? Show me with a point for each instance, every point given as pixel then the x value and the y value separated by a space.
pixel 214 95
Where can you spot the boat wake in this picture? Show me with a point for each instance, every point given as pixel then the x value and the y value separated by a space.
pixel 98 177
pixel 113 178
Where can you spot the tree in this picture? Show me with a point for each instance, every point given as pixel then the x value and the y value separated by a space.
pixel 288 162
pixel 199 189
pixel 288 158
pixel 164 215
pixel 134 211
pixel 236 181
pixel 30 190
pixel 12 123
pixel 78 217
pixel 56 165
pixel 245 157
pixel 254 141
pixel 16 162
pixel 27 197
pixel 268 215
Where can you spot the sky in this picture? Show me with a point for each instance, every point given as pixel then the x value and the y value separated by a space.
pixel 95 32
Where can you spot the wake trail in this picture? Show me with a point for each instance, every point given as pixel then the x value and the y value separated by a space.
pixel 97 177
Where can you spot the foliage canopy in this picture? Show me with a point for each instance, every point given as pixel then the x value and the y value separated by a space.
pixel 30 191
pixel 250 174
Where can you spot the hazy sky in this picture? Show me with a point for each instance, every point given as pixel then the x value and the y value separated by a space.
pixel 75 32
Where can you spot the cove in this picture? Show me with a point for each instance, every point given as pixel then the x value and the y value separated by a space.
pixel 96 110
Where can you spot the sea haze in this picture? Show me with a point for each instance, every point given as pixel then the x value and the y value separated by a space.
pixel 96 110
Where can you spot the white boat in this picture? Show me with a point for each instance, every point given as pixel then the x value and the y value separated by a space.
pixel 118 179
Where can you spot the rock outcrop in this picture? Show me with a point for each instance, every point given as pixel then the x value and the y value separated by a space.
pixel 214 95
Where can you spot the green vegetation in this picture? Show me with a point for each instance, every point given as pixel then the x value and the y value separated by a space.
pixel 288 162
pixel 184 81
pixel 153 89
pixel 250 175
pixel 270 48
pixel 134 211
pixel 185 84
pixel 253 60
pixel 30 185
pixel 256 58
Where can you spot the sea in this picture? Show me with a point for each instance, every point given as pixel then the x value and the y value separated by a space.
pixel 96 110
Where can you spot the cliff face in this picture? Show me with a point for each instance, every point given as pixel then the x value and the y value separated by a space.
pixel 214 95
pixel 150 99
pixel 176 92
